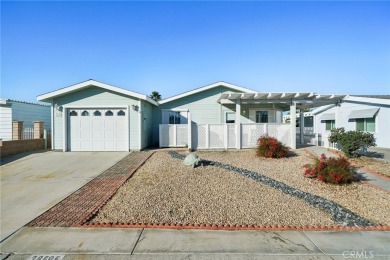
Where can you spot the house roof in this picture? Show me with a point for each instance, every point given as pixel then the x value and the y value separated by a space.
pixel 197 90
pixel 369 99
pixel 6 101
pixel 82 85
pixel 373 96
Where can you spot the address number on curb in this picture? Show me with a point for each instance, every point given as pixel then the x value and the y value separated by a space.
pixel 46 257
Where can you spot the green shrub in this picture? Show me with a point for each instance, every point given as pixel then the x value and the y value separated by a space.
pixel 271 148
pixel 330 170
pixel 351 141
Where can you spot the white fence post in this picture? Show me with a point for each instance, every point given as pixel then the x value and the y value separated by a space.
pixel 189 132
pixel 238 123
pixel 266 129
pixel 293 129
pixel 45 138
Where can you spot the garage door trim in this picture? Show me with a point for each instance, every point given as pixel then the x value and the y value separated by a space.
pixel 67 109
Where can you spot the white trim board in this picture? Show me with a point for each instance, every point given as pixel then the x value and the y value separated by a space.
pixel 46 97
pixel 220 83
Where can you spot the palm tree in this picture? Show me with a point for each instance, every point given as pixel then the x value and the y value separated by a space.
pixel 155 96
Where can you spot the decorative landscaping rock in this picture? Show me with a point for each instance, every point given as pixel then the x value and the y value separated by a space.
pixel 339 214
pixel 192 159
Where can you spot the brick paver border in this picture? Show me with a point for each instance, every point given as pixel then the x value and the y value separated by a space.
pixel 81 205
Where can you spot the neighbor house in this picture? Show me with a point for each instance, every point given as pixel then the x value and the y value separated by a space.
pixel 28 113
pixel 370 113
pixel 94 116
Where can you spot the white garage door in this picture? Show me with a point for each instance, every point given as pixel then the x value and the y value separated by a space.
pixel 97 129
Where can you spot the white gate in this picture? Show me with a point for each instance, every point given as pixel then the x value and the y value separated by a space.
pixel 173 135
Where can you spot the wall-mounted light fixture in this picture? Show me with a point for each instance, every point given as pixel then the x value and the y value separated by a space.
pixel 57 107
pixel 135 107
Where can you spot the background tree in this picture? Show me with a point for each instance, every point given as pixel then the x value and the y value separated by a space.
pixel 155 96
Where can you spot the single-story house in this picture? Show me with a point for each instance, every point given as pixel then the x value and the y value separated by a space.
pixel 369 113
pixel 12 110
pixel 94 116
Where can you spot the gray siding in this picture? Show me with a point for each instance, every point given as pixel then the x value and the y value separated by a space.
pixel 245 110
pixel 203 107
pixel 28 113
pixel 96 97
pixel 5 123
pixel 147 124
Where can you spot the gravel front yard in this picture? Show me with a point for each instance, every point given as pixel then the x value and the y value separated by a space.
pixel 166 191
pixel 377 165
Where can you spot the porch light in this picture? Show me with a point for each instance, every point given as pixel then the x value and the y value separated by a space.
pixel 135 107
pixel 57 107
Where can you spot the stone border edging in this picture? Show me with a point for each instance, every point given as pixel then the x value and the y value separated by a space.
pixel 234 227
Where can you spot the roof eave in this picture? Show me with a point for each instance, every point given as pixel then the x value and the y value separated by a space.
pixel 194 91
pixel 57 93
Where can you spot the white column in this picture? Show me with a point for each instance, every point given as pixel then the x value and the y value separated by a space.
pixel 189 133
pixel 52 125
pixel 65 130
pixel 293 130
pixel 238 123
pixel 301 126
pixel 337 115
pixel 140 119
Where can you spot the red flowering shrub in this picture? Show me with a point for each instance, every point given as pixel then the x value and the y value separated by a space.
pixel 330 170
pixel 271 148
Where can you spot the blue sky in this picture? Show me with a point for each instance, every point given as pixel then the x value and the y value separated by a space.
pixel 172 47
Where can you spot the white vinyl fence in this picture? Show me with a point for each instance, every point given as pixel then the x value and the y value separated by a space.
pixel 214 136
pixel 173 135
pixel 28 133
pixel 221 136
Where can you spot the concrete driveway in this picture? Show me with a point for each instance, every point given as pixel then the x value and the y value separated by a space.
pixel 33 184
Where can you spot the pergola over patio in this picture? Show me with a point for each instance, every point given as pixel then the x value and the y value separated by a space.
pixel 289 101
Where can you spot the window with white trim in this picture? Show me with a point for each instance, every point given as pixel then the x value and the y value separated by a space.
pixel 261 116
pixel 330 124
pixel 365 124
pixel 230 117
pixel 174 117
